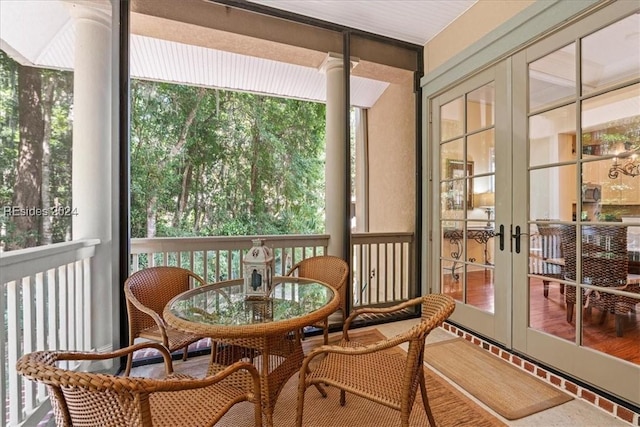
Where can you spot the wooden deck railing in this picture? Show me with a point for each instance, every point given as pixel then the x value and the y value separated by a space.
pixel 382 265
pixel 45 299
pixel 220 258
pixel 382 268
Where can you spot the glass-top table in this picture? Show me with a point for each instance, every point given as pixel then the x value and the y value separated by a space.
pixel 265 331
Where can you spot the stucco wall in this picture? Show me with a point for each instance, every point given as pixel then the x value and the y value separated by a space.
pixel 392 164
pixel 478 21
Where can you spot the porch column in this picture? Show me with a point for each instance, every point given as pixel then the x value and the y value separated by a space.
pixel 92 159
pixel 337 194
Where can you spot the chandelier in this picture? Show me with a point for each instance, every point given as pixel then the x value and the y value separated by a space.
pixel 630 167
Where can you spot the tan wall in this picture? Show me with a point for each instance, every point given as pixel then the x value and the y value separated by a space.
pixel 392 164
pixel 478 21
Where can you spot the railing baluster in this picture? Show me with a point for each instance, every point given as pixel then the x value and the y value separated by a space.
pixel 87 303
pixel 63 313
pixel 14 343
pixel 393 272
pixel 205 273
pixel 71 306
pixel 78 279
pixel 4 396
pixel 28 326
pixel 52 300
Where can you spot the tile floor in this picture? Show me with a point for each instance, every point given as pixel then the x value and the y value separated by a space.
pixel 586 410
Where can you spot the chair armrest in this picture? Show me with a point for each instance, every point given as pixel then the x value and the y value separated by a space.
pixel 292 269
pixel 146 310
pixel 87 355
pixel 356 313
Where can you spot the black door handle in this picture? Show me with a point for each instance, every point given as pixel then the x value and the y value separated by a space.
pixel 501 236
pixel 517 236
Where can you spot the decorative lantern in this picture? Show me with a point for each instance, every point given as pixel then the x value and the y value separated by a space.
pixel 258 270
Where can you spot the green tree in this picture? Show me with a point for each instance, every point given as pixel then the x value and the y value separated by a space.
pixel 225 163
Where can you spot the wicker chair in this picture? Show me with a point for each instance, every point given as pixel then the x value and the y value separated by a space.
pixel 329 269
pixel 94 399
pixel 147 292
pixel 372 373
pixel 610 270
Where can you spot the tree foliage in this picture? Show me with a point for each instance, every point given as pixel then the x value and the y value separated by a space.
pixel 204 162
pixel 24 110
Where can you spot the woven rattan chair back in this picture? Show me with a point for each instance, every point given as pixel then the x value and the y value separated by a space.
pixel 147 292
pixel 154 287
pixel 373 373
pixel 333 271
pixel 604 262
pixel 92 399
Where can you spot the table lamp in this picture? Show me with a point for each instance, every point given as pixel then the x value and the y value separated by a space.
pixel 487 202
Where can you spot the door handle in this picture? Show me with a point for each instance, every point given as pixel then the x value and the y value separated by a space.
pixel 517 236
pixel 501 236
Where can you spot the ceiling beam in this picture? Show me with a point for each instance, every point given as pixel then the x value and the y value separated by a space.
pixel 253 28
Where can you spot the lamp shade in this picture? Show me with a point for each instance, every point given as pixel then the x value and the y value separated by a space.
pixel 483 200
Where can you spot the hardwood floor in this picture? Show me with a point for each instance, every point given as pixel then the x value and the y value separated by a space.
pixel 549 315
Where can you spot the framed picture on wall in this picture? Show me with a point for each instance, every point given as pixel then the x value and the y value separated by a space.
pixel 456 173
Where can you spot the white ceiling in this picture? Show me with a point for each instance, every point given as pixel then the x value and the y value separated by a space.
pixel 41 33
pixel 413 21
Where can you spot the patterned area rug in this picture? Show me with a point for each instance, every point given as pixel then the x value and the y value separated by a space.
pixel 449 406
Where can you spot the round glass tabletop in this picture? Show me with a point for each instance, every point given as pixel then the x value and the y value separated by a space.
pixel 223 309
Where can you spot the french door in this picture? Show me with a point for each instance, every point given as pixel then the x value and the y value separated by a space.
pixel 536 191
pixel 578 98
pixel 471 127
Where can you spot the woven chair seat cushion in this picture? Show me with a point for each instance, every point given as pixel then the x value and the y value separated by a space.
pixel 195 407
pixel 177 338
pixel 361 375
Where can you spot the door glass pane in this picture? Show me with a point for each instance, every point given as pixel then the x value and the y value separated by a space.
pixel 605 264
pixel 450 151
pixel 481 108
pixel 547 199
pixel 552 136
pixel 610 324
pixel 481 151
pixel 611 55
pixel 483 201
pixel 456 191
pixel 451 200
pixel 452 259
pixel 611 122
pixel 552 78
pixel 547 286
pixel 452 119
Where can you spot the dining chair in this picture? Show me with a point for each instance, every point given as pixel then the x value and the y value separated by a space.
pixel 551 251
pixel 147 292
pixel 370 371
pixel 605 263
pixel 331 270
pixel 96 399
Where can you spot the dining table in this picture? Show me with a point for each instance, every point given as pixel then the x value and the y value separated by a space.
pixel 265 330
